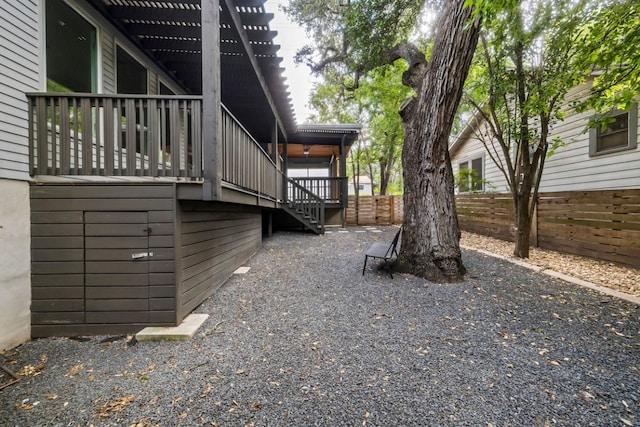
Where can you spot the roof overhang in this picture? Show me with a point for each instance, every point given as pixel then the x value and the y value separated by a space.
pixel 321 140
pixel 252 80
pixel 326 134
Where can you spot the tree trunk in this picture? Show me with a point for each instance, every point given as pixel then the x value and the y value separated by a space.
pixel 431 236
pixel 523 227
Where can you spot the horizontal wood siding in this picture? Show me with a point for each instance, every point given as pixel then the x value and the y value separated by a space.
pixel 570 168
pixel 18 75
pixel 216 239
pixel 487 214
pixel 83 278
pixel 596 224
pixel 108 63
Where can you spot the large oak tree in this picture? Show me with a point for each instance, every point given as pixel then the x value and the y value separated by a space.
pixel 356 36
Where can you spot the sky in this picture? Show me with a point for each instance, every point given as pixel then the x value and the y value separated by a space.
pixel 291 38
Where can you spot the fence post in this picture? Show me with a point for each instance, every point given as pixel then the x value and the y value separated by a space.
pixel 392 214
pixel 534 225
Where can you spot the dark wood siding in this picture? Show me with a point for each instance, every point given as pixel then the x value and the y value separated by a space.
pixel 84 280
pixel 216 239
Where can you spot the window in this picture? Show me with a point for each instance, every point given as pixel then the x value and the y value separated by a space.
pixel 463 177
pixel 618 132
pixel 71 50
pixel 470 176
pixel 132 76
pixel 476 178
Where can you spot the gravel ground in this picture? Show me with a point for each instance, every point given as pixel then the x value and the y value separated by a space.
pixel 304 339
pixel 608 274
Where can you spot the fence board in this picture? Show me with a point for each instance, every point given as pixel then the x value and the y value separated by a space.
pixel 374 210
pixel 602 224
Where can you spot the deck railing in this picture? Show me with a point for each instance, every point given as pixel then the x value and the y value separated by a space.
pixel 115 135
pixel 330 189
pixel 245 164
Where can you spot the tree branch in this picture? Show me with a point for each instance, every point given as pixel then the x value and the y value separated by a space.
pixel 414 76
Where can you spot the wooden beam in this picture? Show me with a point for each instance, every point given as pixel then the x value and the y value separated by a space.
pixel 244 39
pixel 343 171
pixel 155 14
pixel 211 99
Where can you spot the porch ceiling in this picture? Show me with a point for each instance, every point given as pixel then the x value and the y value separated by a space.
pixel 169 31
pixel 322 140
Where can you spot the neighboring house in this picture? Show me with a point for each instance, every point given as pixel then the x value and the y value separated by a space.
pixel 143 156
pixel 590 160
pixel 364 186
pixel 587 204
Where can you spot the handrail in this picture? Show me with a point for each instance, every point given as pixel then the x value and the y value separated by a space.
pixel 246 165
pixel 305 202
pixel 115 135
pixel 330 189
pixel 141 135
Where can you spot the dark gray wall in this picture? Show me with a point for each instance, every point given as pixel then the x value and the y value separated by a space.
pixel 84 279
pixel 215 239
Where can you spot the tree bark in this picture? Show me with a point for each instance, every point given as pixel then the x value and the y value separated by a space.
pixel 523 226
pixel 431 235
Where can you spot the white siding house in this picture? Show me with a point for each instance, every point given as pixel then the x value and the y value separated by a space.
pixel 364 186
pixel 19 73
pixel 577 166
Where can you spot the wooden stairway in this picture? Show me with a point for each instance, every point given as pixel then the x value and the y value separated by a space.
pixel 304 206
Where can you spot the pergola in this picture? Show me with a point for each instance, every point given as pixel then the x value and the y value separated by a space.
pixel 252 85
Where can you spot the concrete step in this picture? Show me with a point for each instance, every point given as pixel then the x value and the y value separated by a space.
pixel 183 332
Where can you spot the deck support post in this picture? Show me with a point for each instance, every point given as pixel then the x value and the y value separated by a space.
pixel 274 156
pixel 211 99
pixel 344 184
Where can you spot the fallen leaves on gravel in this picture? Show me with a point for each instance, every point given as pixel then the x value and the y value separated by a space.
pixel 143 424
pixel 117 405
pixel 33 370
pixel 73 371
pixel 206 391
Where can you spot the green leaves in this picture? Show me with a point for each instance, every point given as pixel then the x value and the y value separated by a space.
pixel 375 103
pixel 354 33
pixel 609 44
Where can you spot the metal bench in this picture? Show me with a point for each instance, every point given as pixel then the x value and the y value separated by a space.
pixel 383 251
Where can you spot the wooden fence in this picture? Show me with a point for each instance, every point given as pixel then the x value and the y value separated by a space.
pixel 486 214
pixel 374 210
pixel 599 224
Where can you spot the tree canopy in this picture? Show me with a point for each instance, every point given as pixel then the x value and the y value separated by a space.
pixel 353 35
pixel 375 102
pixel 610 41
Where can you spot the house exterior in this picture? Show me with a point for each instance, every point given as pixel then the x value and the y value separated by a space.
pixel 590 160
pixel 365 186
pixel 589 199
pixel 143 156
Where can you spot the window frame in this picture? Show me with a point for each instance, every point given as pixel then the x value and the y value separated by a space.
pixel 468 164
pixel 632 132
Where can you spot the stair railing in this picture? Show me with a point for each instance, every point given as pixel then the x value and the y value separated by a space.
pixel 309 206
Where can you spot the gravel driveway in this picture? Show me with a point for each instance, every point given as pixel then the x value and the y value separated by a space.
pixel 303 339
